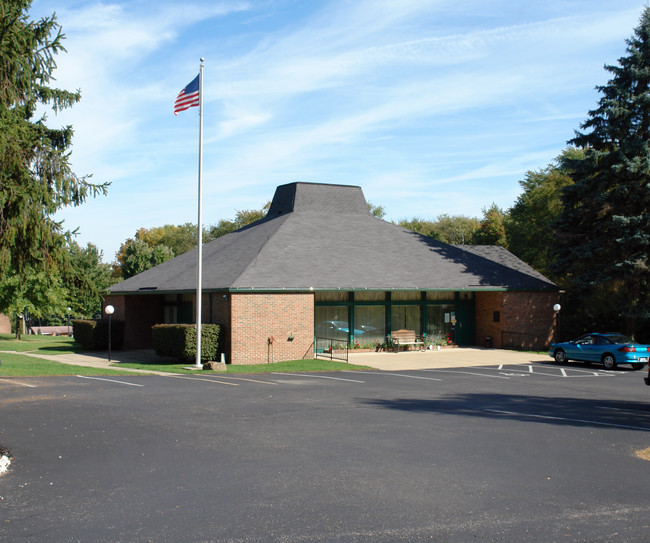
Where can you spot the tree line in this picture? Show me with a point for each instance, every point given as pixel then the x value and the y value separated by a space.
pixel 583 220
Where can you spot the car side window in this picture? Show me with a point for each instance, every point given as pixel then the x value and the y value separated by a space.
pixel 587 340
pixel 602 341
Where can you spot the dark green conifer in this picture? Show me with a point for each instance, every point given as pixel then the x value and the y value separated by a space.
pixel 604 227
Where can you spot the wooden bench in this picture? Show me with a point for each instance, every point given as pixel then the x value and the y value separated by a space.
pixel 51 330
pixel 405 337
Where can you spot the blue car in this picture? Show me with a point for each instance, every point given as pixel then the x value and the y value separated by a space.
pixel 609 349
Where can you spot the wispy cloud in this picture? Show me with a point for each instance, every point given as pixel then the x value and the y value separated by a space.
pixel 450 102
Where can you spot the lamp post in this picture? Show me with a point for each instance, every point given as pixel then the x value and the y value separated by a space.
pixel 557 308
pixel 109 310
pixel 69 310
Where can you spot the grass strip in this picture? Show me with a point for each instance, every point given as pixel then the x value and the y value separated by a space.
pixel 20 365
pixel 288 365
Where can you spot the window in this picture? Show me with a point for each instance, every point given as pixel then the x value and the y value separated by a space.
pixel 370 320
pixel 332 322
pixel 406 317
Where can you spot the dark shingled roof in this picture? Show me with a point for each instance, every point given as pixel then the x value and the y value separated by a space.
pixel 323 237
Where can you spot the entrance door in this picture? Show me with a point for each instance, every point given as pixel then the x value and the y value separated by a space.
pixel 466 324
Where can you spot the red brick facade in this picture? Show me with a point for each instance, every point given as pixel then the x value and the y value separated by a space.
pixel 271 327
pixel 5 324
pixel 516 319
pixel 263 327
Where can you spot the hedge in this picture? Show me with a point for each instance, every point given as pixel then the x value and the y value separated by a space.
pixel 179 341
pixel 93 334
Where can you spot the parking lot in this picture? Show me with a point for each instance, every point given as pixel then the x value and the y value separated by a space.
pixel 526 451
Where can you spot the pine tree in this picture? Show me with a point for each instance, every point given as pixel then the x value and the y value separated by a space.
pixel 36 179
pixel 604 227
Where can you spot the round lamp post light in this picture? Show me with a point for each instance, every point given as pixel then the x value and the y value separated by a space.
pixel 109 310
pixel 557 308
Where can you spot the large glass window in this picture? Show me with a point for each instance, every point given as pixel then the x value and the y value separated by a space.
pixel 371 321
pixel 441 323
pixel 406 317
pixel 331 322
pixel 178 308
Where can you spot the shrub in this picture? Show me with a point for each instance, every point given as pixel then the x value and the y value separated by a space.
pixel 93 334
pixel 179 341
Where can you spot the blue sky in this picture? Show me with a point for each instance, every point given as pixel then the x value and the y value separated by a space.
pixel 430 106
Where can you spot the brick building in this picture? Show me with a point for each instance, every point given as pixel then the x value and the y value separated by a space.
pixel 320 265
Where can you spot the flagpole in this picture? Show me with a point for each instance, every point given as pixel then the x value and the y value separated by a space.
pixel 199 228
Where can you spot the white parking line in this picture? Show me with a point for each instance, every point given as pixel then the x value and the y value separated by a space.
pixel 214 381
pixel 109 380
pixel 394 374
pixel 317 376
pixel 11 381
pixel 467 373
pixel 633 411
pixel 568 419
pixel 532 371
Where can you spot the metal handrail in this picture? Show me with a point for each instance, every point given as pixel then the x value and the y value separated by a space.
pixel 331 348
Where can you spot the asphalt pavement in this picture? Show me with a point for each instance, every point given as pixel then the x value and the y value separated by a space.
pixel 499 452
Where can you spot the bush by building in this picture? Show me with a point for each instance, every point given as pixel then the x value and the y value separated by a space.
pixel 179 341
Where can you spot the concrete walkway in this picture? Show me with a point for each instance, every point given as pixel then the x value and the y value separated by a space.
pixel 445 358
pixel 387 361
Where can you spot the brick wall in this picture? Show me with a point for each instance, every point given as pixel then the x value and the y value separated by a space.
pixel 5 324
pixel 220 312
pixel 527 319
pixel 255 318
pixel 486 304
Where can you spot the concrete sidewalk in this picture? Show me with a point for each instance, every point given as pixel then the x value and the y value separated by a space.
pixel 445 358
pixel 386 361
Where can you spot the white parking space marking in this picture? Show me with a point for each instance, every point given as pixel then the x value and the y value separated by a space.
pixel 394 374
pixel 109 380
pixel 565 372
pixel 12 382
pixel 317 377
pixel 633 411
pixel 549 417
pixel 247 379
pixel 468 373
pixel 214 381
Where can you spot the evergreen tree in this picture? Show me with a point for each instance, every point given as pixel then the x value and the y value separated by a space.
pixel 604 227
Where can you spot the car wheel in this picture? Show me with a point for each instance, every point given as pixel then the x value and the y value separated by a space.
pixel 609 361
pixel 637 366
pixel 560 356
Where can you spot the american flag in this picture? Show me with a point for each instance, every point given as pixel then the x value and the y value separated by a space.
pixel 188 97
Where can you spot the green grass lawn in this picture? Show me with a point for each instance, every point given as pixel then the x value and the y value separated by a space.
pixel 20 365
pixel 289 365
pixel 14 364
pixel 40 344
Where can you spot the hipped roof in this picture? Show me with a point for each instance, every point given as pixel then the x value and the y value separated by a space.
pixel 323 237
